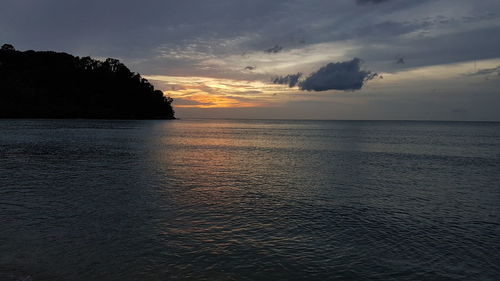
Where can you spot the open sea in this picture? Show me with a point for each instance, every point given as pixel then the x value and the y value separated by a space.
pixel 84 200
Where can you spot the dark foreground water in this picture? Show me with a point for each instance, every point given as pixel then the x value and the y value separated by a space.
pixel 249 200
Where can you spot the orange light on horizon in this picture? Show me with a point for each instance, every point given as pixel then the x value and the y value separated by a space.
pixel 213 101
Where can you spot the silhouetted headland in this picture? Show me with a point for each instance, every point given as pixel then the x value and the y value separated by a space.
pixel 59 85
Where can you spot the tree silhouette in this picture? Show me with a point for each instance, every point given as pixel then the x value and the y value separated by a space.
pixel 7 47
pixel 59 85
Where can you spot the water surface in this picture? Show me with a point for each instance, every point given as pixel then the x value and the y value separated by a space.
pixel 88 200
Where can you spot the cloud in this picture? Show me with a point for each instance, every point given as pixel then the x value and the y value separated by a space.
pixel 291 79
pixel 274 50
pixel 250 67
pixel 184 38
pixel 363 2
pixel 345 76
pixel 400 60
pixel 486 71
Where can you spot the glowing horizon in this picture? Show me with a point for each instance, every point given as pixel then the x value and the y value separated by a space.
pixel 205 92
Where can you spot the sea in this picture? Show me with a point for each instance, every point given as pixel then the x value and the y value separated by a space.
pixel 208 199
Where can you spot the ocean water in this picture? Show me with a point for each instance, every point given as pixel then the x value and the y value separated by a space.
pixel 84 200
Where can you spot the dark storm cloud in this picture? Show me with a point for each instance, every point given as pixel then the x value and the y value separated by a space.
pixel 363 2
pixel 291 79
pixel 343 76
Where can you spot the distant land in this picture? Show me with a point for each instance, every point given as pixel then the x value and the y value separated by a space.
pixel 47 84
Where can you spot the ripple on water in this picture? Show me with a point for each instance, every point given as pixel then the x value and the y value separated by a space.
pixel 248 200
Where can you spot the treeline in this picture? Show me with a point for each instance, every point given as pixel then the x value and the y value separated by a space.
pixel 59 85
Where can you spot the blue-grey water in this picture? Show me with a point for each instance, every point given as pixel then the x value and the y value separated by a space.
pixel 84 200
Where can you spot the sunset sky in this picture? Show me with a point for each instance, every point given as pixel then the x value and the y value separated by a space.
pixel 359 59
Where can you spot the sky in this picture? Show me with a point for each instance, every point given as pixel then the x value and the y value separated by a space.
pixel 294 59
